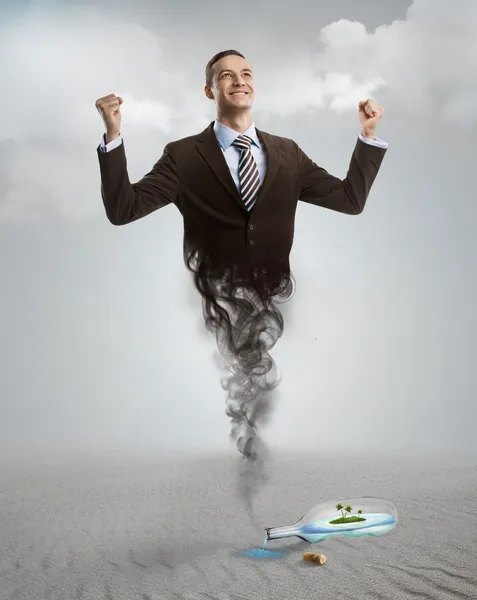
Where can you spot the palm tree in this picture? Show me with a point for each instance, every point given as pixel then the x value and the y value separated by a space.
pixel 348 508
pixel 360 512
pixel 339 507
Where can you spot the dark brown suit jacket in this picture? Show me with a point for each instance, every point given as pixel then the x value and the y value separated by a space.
pixel 192 174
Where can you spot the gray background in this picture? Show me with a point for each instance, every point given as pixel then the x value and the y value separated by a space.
pixel 103 346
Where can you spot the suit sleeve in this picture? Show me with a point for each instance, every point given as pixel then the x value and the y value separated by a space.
pixel 348 195
pixel 125 202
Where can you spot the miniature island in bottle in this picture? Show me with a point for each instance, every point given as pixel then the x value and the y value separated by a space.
pixel 344 518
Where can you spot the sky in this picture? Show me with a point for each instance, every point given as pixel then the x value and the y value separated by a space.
pixel 103 346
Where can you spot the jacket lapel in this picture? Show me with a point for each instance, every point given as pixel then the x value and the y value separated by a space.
pixel 209 148
pixel 272 150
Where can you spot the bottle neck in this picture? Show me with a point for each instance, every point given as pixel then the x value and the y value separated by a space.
pixel 274 533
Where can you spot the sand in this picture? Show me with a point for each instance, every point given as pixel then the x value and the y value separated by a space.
pixel 151 528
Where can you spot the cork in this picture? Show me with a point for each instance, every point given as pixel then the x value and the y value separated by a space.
pixel 314 557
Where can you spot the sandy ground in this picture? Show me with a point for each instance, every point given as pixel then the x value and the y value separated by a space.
pixel 154 528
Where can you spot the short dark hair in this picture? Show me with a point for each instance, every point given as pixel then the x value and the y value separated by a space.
pixel 214 59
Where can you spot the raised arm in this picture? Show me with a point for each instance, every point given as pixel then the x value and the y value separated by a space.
pixel 124 201
pixel 349 195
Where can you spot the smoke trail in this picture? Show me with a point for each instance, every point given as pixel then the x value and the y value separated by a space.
pixel 239 302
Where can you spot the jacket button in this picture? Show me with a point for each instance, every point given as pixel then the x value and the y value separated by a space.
pixel 251 242
pixel 251 226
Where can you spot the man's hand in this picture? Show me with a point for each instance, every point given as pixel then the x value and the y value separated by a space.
pixel 108 108
pixel 369 115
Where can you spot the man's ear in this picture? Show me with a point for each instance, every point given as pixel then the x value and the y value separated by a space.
pixel 208 92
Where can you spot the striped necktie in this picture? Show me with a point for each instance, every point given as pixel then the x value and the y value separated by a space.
pixel 248 171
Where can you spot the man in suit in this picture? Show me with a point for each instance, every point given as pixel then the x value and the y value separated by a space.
pixel 237 188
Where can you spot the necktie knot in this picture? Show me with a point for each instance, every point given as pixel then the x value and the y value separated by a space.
pixel 243 142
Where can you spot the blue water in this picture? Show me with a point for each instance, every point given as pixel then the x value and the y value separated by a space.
pixel 262 552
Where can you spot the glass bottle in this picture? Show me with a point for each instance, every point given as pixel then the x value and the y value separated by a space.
pixel 353 517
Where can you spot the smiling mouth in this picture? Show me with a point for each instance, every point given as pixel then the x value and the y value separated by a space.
pixel 239 93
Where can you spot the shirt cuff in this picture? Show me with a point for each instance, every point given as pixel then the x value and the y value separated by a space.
pixel 377 142
pixel 111 145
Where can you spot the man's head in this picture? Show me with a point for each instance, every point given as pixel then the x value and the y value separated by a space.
pixel 225 74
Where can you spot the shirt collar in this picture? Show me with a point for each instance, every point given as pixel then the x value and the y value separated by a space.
pixel 226 136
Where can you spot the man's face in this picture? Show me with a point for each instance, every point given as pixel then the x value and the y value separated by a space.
pixel 232 74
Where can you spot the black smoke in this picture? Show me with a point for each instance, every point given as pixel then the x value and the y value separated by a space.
pixel 239 301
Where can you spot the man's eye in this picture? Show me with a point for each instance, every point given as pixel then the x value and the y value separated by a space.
pixel 225 74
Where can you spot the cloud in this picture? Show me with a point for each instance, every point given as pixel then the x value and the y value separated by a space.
pixel 421 65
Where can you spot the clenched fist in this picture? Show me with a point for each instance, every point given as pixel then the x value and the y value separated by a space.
pixel 369 115
pixel 108 108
